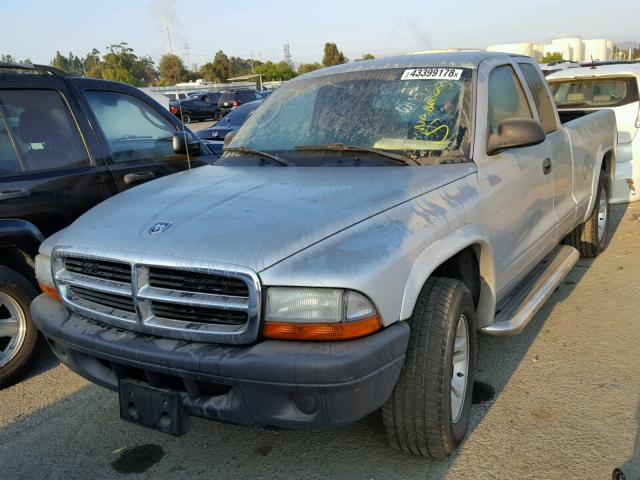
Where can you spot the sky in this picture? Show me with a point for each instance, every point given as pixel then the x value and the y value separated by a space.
pixel 36 29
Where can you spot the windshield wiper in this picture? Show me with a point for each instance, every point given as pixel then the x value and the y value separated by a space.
pixel 259 153
pixel 340 147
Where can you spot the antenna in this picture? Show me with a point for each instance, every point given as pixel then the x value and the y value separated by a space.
pixel 593 64
pixel 184 128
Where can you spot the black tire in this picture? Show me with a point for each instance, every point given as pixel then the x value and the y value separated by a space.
pixel 217 115
pixel 22 292
pixel 186 118
pixel 418 416
pixel 588 238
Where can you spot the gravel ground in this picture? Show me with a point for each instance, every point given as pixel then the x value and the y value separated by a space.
pixel 566 406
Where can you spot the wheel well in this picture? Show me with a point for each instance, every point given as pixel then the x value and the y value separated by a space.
pixel 463 266
pixel 20 262
pixel 607 164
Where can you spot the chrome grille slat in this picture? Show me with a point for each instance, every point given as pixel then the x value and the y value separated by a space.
pixel 178 298
pixel 195 299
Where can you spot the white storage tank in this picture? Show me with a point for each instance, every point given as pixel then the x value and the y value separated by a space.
pixel 597 49
pixel 523 48
pixel 571 45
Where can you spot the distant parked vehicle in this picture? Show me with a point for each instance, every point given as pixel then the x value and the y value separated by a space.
pixel 214 136
pixel 198 108
pixel 579 91
pixel 233 99
pixel 176 95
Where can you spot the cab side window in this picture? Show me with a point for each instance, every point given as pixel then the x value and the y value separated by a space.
pixel 540 96
pixel 506 98
pixel 43 131
pixel 134 130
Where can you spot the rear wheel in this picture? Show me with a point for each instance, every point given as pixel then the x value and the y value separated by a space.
pixel 592 237
pixel 217 115
pixel 428 412
pixel 18 335
pixel 186 119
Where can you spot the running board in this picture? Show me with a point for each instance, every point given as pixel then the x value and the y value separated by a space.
pixel 516 311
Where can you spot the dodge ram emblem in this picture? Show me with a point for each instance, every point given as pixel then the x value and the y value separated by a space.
pixel 159 228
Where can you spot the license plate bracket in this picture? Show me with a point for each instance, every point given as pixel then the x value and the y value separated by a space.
pixel 153 407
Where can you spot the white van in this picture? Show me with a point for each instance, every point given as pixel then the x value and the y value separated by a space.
pixel 580 90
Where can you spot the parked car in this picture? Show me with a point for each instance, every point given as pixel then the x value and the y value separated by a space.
pixel 215 135
pixel 66 144
pixel 339 258
pixel 580 91
pixel 176 95
pixel 196 108
pixel 233 99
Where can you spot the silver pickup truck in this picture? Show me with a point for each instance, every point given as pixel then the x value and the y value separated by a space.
pixel 340 257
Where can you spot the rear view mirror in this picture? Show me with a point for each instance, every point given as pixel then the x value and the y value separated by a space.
pixel 513 133
pixel 184 140
pixel 229 138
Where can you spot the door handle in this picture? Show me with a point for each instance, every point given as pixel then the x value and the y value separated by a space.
pixel 14 193
pixel 546 166
pixel 131 178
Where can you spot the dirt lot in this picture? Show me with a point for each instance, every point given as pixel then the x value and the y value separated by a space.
pixel 566 406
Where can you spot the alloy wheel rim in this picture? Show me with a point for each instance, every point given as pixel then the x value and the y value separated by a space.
pixel 13 328
pixel 460 370
pixel 602 215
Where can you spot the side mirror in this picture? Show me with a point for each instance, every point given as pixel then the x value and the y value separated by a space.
pixel 229 138
pixel 183 141
pixel 515 132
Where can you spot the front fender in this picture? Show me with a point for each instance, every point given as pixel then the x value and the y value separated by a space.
pixel 21 235
pixel 442 250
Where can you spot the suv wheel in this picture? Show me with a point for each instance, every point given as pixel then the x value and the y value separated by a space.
pixel 428 411
pixel 18 335
pixel 592 237
pixel 217 115
pixel 186 119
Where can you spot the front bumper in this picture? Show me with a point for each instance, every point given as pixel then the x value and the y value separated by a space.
pixel 271 383
pixel 626 186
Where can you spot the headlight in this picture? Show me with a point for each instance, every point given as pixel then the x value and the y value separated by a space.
pixel 45 277
pixel 318 314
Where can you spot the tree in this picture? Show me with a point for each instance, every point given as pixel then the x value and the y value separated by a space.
pixel 367 56
pixel 276 71
pixel 552 57
pixel 332 56
pixel 172 69
pixel 72 64
pixel 222 66
pixel 308 67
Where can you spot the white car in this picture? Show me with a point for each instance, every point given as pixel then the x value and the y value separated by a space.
pixel 578 91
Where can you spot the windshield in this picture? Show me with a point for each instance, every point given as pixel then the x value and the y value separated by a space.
pixel 595 92
pixel 421 116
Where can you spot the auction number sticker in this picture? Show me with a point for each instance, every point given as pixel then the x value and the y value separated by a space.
pixel 434 73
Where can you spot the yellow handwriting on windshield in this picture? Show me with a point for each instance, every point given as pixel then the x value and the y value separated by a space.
pixel 424 129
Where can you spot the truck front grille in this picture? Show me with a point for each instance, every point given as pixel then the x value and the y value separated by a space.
pixel 188 300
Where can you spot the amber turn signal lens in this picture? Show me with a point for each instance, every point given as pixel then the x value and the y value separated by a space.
pixel 49 291
pixel 321 331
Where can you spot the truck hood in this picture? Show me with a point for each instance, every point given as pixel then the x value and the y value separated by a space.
pixel 249 216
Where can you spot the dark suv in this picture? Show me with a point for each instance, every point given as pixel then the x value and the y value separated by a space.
pixel 232 99
pixel 198 107
pixel 66 144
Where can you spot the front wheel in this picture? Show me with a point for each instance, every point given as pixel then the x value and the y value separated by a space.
pixel 428 411
pixel 217 115
pixel 592 237
pixel 18 334
pixel 186 119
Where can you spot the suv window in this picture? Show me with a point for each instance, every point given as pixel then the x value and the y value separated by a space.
pixel 9 164
pixel 45 134
pixel 540 96
pixel 595 92
pixel 134 130
pixel 506 97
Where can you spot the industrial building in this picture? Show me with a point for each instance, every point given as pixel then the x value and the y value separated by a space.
pixel 572 48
